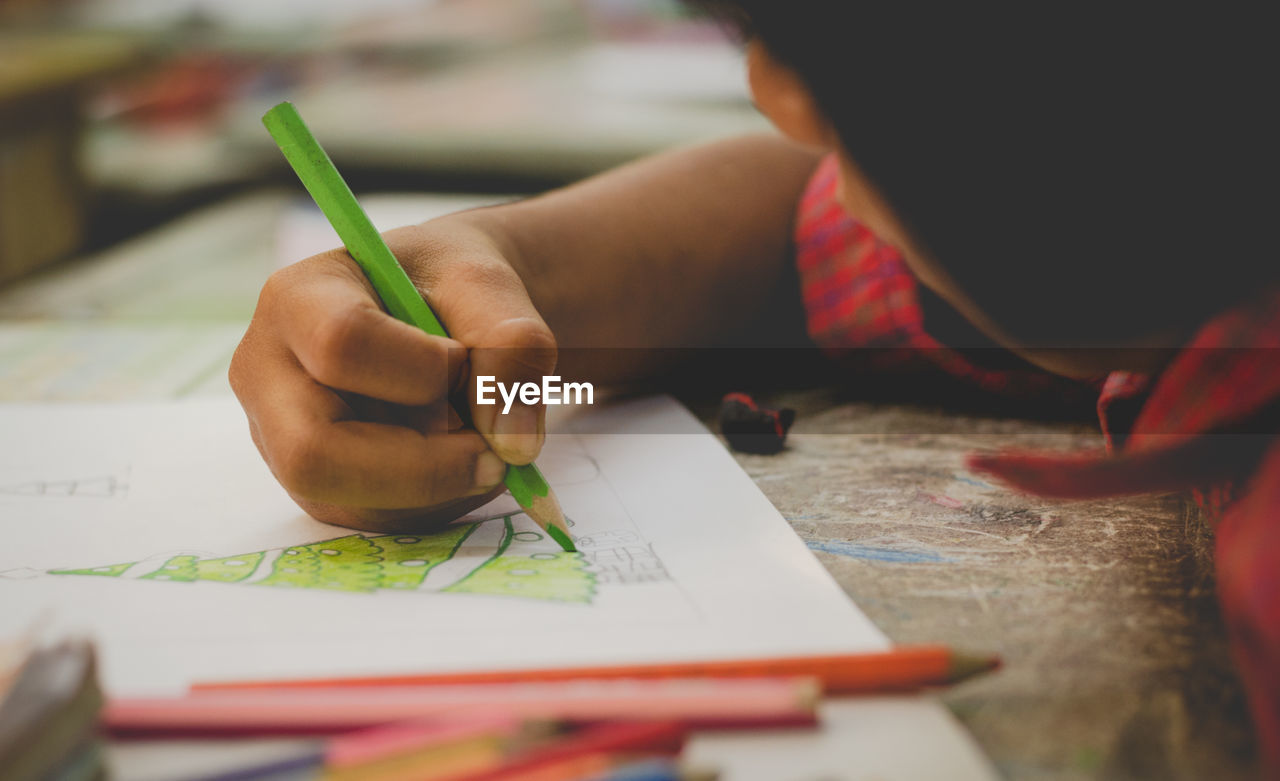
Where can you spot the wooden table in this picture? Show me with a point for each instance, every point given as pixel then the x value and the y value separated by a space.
pixel 1116 665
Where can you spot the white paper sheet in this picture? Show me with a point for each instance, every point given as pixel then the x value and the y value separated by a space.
pixel 187 561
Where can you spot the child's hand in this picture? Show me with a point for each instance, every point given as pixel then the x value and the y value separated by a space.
pixel 349 406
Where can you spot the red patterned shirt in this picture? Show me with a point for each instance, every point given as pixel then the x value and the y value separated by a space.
pixel 1206 425
pixel 862 303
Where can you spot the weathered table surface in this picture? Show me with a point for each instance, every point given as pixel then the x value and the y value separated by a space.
pixel 1116 664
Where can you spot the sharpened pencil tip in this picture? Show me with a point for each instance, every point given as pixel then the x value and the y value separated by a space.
pixel 545 511
pixel 967 665
pixel 563 539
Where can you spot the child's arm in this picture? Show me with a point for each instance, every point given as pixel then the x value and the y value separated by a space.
pixel 677 250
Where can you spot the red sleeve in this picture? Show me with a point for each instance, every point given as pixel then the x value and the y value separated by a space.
pixel 1247 563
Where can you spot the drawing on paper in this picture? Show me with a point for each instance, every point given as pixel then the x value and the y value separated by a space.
pixel 496 551
pixel 621 557
pixel 96 487
pixel 522 564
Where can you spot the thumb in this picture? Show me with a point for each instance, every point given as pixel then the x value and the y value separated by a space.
pixel 523 351
pixel 484 305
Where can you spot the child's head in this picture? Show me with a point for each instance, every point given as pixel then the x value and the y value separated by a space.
pixel 1067 177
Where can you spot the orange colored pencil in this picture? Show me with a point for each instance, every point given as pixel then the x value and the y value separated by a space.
pixel 905 668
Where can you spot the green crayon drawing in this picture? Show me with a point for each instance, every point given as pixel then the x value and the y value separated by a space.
pixel 535 575
pixel 522 565
pixel 189 568
pixel 112 571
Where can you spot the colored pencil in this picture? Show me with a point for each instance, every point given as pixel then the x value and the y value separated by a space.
pixel 569 769
pixel 449 761
pixel 653 770
pixel 366 246
pixel 400 752
pixel 905 668
pixel 591 750
pixel 303 762
pixel 379 743
pixel 704 703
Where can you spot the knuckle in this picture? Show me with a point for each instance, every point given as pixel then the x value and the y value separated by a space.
pixel 275 286
pixel 248 354
pixel 237 374
pixel 528 346
pixel 537 337
pixel 335 344
pixel 486 273
pixel 300 464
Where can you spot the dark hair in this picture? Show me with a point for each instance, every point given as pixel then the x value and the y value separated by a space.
pixel 1088 174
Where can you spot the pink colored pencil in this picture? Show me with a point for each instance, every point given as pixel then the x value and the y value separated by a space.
pixel 587 751
pixel 702 703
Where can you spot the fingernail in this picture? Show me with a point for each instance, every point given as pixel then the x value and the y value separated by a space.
pixel 516 433
pixel 489 470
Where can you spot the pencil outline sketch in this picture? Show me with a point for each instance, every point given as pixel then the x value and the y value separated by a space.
pixel 498 553
pixel 99 486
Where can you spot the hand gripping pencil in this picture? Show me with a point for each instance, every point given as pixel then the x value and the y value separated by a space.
pixel 365 244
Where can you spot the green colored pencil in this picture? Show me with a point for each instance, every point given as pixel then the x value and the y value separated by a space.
pixel 365 244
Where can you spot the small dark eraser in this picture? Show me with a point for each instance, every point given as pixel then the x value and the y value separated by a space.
pixel 751 428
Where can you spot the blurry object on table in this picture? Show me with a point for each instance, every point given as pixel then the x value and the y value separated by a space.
pixel 49 705
pixel 453 29
pixel 298 18
pixel 472 95
pixel 14 12
pixel 157 140
pixel 164 141
pixel 706 73
pixel 188 88
pixel 661 50
pixel 550 118
pixel 42 194
pixel 529 117
pixel 665 20
pixel 381 28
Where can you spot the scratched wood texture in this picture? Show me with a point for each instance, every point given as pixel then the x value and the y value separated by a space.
pixel 1116 664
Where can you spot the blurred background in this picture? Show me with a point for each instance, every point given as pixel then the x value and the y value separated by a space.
pixel 119 115
pixel 143 205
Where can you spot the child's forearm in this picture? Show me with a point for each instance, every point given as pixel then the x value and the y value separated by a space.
pixel 678 250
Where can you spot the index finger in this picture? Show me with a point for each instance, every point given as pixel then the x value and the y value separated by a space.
pixel 336 328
